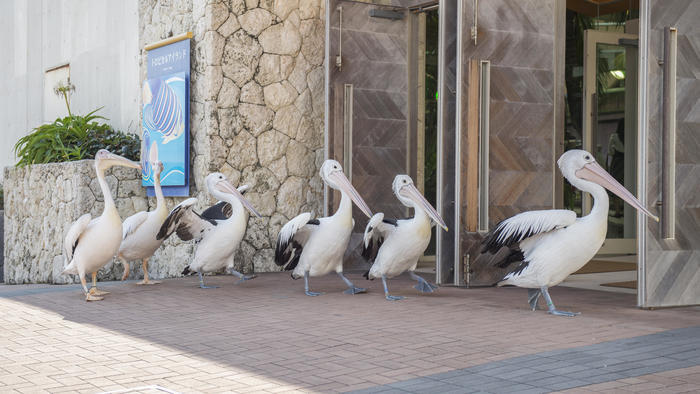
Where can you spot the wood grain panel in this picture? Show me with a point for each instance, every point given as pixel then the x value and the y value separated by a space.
pixel 517 37
pixel 375 63
pixel 671 266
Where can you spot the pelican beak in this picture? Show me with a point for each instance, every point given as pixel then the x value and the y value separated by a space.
pixel 593 172
pixel 344 184
pixel 116 160
pixel 226 187
pixel 410 192
pixel 157 166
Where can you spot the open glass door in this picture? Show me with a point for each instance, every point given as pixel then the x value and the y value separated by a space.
pixel 609 125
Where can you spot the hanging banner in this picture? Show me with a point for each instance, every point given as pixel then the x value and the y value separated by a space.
pixel 166 115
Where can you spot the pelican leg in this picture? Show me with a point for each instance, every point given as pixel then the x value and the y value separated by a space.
pixel 93 289
pixel 386 291
pixel 533 295
pixel 201 283
pixel 423 285
pixel 550 305
pixel 88 296
pixel 145 281
pixel 352 289
pixel 242 278
pixel 126 267
pixel 306 286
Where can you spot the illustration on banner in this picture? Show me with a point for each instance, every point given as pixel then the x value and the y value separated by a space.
pixel 164 107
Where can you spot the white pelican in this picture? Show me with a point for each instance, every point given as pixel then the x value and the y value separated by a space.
pixel 90 244
pixel 315 247
pixel 550 245
pixel 139 231
pixel 395 246
pixel 218 230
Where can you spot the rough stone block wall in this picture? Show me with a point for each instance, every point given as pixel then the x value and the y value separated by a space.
pixel 256 110
pixel 43 200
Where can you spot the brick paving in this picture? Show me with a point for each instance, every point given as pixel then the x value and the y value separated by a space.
pixel 266 336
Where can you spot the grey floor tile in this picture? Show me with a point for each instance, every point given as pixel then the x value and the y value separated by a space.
pixel 567 368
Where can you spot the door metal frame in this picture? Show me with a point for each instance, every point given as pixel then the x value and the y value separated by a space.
pixel 440 126
pixel 642 118
pixel 590 41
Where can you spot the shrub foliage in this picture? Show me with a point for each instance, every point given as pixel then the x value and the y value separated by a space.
pixel 74 137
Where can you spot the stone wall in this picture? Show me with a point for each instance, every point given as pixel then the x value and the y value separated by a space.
pixel 43 200
pixel 257 109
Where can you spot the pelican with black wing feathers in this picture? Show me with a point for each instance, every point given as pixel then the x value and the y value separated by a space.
pixel 92 243
pixel 547 246
pixel 394 246
pixel 315 247
pixel 218 230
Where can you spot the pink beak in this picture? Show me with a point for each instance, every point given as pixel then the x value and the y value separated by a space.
pixel 344 184
pixel 595 173
pixel 226 187
pixel 412 193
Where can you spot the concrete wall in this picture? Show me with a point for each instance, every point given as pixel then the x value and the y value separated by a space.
pixel 98 38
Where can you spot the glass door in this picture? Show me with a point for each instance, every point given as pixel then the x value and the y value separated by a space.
pixel 609 126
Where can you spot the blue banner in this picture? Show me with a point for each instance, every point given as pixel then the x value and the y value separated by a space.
pixel 166 120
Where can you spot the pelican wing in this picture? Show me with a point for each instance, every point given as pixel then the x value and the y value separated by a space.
pixel 132 223
pixel 292 238
pixel 73 235
pixel 187 223
pixel 377 230
pixel 512 231
pixel 221 210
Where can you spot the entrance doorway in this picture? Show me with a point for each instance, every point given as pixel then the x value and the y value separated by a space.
pixel 427 115
pixel 601 117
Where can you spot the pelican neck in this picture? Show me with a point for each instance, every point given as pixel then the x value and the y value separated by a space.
pixel 106 193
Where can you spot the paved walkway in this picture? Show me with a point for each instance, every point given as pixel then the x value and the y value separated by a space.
pixel 266 336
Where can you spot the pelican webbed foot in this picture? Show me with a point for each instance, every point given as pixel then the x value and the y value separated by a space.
pixel 202 285
pixel 148 282
pixel 388 296
pixel 552 310
pixel 96 292
pixel 306 286
pixel 533 295
pixel 92 297
pixel 245 278
pixel 355 290
pixel 423 285
pixel 563 313
pixel 93 290
pixel 352 288
pixel 242 278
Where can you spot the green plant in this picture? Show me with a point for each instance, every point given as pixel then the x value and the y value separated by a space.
pixel 74 137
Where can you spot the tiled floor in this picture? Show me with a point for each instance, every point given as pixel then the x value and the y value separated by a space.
pixel 266 336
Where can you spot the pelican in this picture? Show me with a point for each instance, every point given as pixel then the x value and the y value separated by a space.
pixel 139 231
pixel 547 246
pixel 315 247
pixel 91 243
pixel 218 230
pixel 395 246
